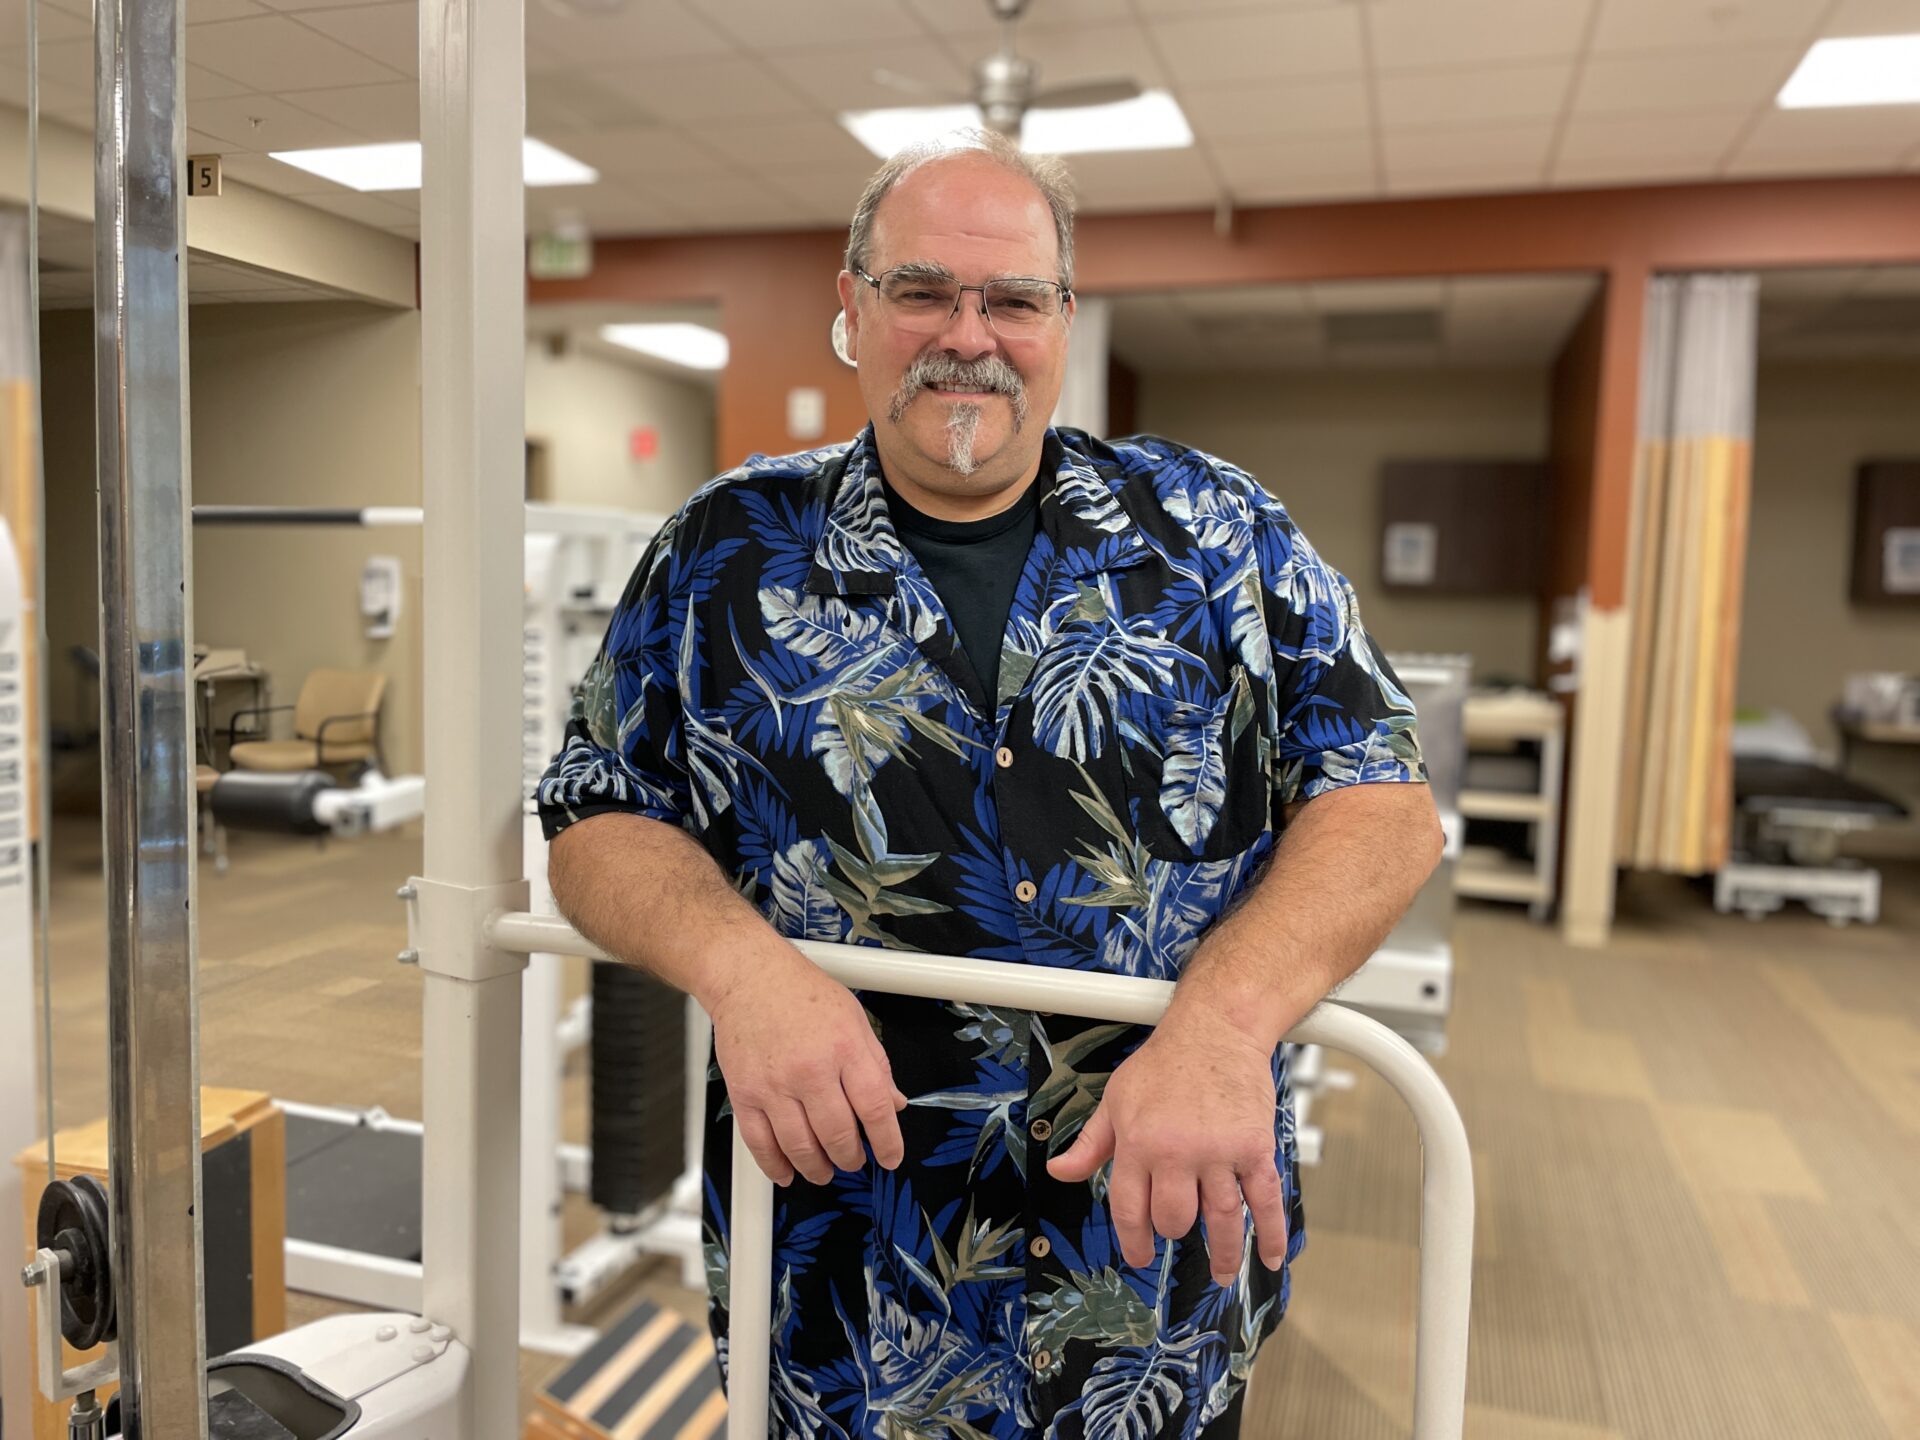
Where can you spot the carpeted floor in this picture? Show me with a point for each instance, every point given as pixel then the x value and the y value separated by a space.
pixel 1697 1151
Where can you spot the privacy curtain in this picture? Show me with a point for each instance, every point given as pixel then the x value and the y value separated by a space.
pixel 1686 562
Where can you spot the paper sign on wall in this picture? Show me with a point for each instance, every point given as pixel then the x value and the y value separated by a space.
pixel 1412 553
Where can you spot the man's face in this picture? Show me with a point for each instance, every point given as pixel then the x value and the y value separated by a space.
pixel 962 410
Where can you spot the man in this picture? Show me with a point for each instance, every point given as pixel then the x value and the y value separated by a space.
pixel 973 685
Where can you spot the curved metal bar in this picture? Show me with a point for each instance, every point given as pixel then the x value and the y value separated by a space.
pixel 1446 1199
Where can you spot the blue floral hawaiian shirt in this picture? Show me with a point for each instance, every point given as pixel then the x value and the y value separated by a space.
pixel 781 681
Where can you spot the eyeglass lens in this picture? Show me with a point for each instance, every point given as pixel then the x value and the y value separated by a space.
pixel 1012 305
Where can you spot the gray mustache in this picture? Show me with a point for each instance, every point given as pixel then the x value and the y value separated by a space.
pixel 990 374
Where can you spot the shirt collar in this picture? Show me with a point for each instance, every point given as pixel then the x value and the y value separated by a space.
pixel 860 551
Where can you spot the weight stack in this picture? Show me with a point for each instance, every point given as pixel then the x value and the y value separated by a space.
pixel 639 1050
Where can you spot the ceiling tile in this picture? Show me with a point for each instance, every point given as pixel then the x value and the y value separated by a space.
pixel 783 25
pixel 802 144
pixel 1687 141
pixel 1601 171
pixel 1298 108
pixel 732 90
pixel 1345 297
pixel 201 11
pixel 65 62
pixel 1213 49
pixel 1274 170
pixel 1643 25
pixel 1645 84
pixel 55 96
pixel 1415 34
pixel 1485 161
pixel 827 195
pixel 973 18
pixel 1473 97
pixel 374 112
pixel 919 74
pixel 203 84
pixel 639 151
pixel 1891 280
pixel 54 24
pixel 1866 139
pixel 1874 17
pixel 759 210
pixel 571 101
pixel 605 209
pixel 275 54
pixel 659 30
pixel 294 7
pixel 1143 180
pixel 1242 300
pixel 1412 153
pixel 261 123
pixel 388 33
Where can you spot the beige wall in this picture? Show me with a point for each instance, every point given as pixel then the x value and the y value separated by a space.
pixel 1317 439
pixel 583 408
pixel 1800 635
pixel 306 404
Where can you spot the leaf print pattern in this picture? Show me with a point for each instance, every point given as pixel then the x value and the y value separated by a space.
pixel 777 682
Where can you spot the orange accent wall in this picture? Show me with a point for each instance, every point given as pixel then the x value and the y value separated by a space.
pixel 776 298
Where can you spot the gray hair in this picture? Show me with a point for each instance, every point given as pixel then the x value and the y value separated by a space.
pixel 1046 173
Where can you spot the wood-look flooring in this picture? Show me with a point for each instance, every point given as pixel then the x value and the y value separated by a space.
pixel 1697 1151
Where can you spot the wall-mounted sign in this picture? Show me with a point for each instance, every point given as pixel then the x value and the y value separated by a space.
pixel 203 175
pixel 806 412
pixel 560 255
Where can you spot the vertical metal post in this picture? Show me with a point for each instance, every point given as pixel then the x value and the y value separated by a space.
pixel 472 119
pixel 146 716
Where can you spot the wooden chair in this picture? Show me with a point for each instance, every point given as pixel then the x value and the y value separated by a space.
pixel 336 722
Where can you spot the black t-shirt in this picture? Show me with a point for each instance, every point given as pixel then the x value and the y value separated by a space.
pixel 974 567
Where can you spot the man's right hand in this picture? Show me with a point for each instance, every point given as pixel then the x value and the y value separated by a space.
pixel 804 1069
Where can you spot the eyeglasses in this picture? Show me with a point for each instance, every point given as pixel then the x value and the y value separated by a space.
pixel 1016 306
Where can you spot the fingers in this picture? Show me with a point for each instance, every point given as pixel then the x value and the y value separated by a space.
pixel 1091 1149
pixel 1226 1221
pixel 833 1123
pixel 1129 1198
pixel 757 1131
pixel 876 1103
pixel 1268 1203
pixel 1176 1202
pixel 794 1131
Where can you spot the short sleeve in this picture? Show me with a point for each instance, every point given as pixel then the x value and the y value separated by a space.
pixel 1343 718
pixel 621 752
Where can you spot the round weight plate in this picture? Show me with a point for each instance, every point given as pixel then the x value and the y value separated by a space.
pixel 73 1218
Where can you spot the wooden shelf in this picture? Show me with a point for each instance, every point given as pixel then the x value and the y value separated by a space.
pixel 1489 874
pixel 1504 805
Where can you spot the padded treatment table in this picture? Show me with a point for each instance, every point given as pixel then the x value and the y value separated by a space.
pixel 1791 815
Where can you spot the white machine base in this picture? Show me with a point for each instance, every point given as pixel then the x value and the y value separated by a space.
pixel 1840 893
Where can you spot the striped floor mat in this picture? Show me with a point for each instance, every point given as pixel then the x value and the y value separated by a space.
pixel 650 1377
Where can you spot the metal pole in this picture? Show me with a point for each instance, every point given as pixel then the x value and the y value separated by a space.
pixel 146 723
pixel 1446 1194
pixel 472 119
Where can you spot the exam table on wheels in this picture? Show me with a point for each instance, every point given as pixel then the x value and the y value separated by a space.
pixel 1791 814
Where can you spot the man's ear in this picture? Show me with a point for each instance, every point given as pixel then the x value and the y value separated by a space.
pixel 849 307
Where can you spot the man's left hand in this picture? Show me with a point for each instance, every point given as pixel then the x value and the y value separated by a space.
pixel 1188 1122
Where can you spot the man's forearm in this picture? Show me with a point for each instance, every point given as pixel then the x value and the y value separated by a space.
pixel 1345 870
pixel 646 893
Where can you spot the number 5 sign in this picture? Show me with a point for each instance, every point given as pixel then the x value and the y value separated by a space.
pixel 203 175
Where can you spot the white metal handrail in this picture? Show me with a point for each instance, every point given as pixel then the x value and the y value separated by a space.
pixel 1446 1194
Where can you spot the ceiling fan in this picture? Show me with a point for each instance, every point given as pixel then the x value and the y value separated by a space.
pixel 1006 86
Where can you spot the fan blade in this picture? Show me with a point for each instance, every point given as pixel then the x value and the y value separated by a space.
pixel 1093 92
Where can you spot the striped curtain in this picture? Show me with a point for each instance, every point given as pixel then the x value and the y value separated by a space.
pixel 1686 562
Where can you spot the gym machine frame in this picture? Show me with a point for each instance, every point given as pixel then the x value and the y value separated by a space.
pixel 469 911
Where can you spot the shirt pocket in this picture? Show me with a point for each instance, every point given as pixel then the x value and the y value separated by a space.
pixel 1198 774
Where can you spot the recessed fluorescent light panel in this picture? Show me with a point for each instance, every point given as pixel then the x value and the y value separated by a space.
pixel 694 346
pixel 1151 121
pixel 397 166
pixel 1860 70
